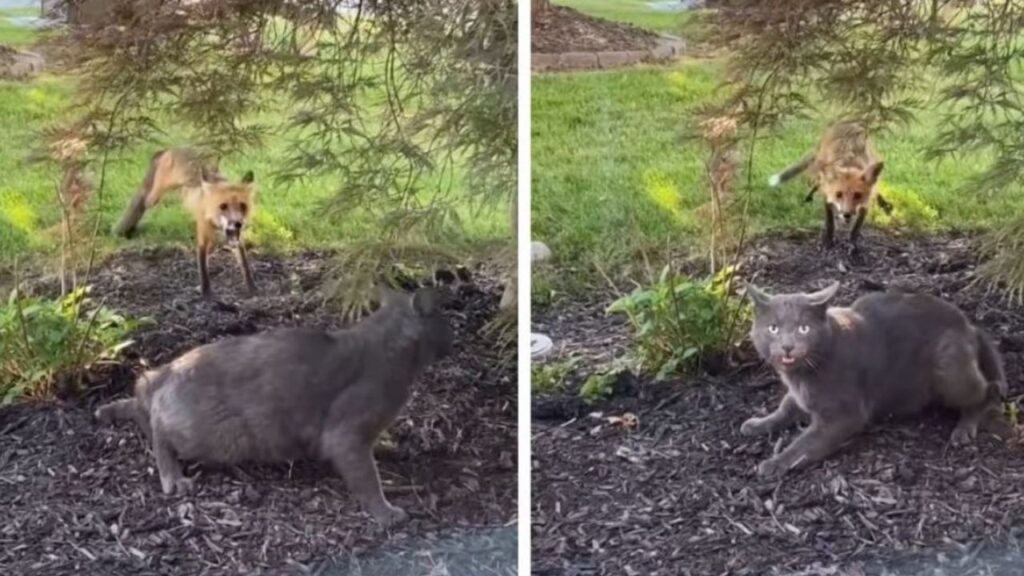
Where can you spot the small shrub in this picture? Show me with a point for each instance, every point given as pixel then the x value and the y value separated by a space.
pixel 1011 413
pixel 542 288
pixel 550 377
pixel 1002 268
pixel 680 322
pixel 43 341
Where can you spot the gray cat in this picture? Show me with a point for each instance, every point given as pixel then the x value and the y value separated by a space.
pixel 887 354
pixel 289 394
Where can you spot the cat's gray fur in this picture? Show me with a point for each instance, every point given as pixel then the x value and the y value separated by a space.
pixel 289 394
pixel 888 353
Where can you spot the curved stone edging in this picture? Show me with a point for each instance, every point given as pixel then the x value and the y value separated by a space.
pixel 19 65
pixel 668 47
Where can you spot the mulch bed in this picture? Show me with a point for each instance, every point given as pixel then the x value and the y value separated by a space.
pixel 563 29
pixel 679 495
pixel 78 498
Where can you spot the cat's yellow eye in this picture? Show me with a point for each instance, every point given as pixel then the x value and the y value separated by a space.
pixel 804 329
pixel 773 329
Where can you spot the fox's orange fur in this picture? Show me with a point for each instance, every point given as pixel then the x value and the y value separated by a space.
pixel 845 171
pixel 219 208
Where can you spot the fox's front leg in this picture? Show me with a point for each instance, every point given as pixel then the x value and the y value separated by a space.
pixel 855 232
pixel 202 256
pixel 818 441
pixel 828 237
pixel 243 263
pixel 787 413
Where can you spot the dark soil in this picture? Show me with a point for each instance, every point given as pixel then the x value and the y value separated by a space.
pixel 563 29
pixel 81 499
pixel 678 494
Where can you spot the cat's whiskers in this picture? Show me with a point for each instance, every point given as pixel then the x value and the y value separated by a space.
pixel 809 360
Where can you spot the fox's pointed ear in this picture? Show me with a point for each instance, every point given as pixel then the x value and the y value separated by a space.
pixel 824 296
pixel 758 296
pixel 206 174
pixel 248 177
pixel 873 172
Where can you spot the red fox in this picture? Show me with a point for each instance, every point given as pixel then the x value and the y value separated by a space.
pixel 220 208
pixel 845 170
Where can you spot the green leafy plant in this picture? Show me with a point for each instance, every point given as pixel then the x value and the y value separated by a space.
pixel 680 322
pixel 43 341
pixel 551 377
pixel 1012 413
pixel 598 386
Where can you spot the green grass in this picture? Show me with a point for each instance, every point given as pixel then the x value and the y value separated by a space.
pixel 16 35
pixel 614 178
pixel 637 12
pixel 286 217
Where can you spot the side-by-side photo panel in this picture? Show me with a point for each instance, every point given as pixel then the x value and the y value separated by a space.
pixel 776 277
pixel 258 268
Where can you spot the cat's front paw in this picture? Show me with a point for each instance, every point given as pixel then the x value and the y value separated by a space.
pixel 964 434
pixel 179 485
pixel 753 427
pixel 772 468
pixel 391 516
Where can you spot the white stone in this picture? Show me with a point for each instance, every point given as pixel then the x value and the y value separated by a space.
pixel 539 251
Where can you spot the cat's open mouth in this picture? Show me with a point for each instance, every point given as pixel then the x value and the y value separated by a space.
pixel 787 360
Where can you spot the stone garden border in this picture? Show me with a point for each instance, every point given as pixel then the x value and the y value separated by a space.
pixel 667 47
pixel 18 64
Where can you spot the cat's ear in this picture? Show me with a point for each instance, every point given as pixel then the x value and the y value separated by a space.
pixel 824 296
pixel 757 296
pixel 388 296
pixel 426 301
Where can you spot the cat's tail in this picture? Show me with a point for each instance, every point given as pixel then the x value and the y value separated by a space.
pixel 135 408
pixel 991 362
pixel 118 410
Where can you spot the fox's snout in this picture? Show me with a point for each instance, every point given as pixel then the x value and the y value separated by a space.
pixel 232 227
pixel 847 214
pixel 229 224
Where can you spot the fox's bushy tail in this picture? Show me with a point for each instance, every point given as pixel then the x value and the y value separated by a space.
pixel 130 219
pixel 791 172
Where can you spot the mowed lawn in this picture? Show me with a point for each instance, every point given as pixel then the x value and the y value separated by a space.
pixel 286 216
pixel 614 177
